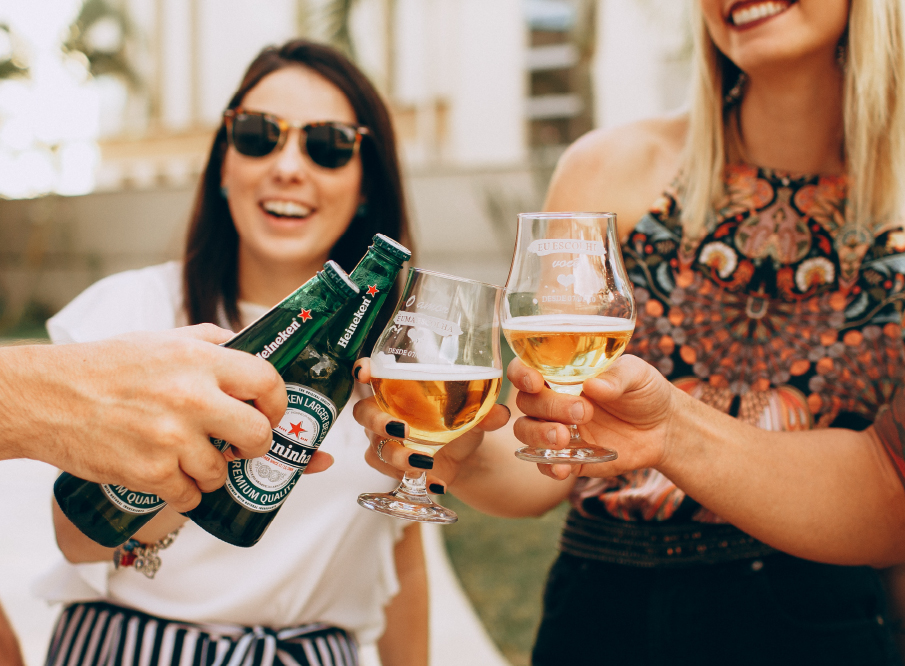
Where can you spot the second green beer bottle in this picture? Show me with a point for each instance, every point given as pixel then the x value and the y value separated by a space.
pixel 319 382
pixel 111 514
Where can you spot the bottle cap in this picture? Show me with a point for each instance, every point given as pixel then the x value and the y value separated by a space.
pixel 392 248
pixel 339 279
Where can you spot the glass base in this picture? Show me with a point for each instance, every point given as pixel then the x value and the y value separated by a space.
pixel 574 456
pixel 407 508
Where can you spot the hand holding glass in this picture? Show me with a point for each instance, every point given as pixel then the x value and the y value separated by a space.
pixel 568 309
pixel 436 367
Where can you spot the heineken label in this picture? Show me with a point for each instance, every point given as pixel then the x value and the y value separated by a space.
pixel 262 484
pixel 131 501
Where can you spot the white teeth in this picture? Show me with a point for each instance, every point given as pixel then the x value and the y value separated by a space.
pixel 758 11
pixel 286 208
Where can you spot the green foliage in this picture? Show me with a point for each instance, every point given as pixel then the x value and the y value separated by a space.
pixel 328 21
pixel 102 59
pixel 336 18
pixel 11 67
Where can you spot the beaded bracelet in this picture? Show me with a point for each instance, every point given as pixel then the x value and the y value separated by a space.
pixel 142 556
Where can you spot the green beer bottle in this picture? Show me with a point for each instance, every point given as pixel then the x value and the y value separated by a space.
pixel 111 514
pixel 319 382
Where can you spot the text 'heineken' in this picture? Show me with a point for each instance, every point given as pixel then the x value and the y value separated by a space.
pixel 319 382
pixel 111 514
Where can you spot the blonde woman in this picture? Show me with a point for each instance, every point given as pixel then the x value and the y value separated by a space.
pixel 770 277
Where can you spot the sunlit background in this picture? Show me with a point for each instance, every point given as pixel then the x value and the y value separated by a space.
pixel 108 108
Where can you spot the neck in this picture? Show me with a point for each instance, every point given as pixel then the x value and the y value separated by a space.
pixel 266 282
pixel 790 119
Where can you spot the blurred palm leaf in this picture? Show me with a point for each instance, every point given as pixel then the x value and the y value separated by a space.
pixel 10 65
pixel 328 20
pixel 101 34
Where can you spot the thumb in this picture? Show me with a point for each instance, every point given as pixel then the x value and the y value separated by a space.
pixel 204 332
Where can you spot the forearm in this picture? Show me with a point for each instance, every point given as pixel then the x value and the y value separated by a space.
pixel 10 653
pixel 828 494
pixel 78 548
pixel 495 482
pixel 405 640
pixel 23 373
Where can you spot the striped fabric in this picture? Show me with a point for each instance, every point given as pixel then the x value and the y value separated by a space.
pixel 103 634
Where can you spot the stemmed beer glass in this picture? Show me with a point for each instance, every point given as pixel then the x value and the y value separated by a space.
pixel 437 367
pixel 568 309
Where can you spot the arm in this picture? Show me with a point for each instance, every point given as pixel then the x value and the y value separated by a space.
pixel 10 654
pixel 479 467
pixel 404 642
pixel 78 548
pixel 138 410
pixel 832 495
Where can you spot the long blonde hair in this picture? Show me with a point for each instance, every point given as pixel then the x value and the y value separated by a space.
pixel 873 111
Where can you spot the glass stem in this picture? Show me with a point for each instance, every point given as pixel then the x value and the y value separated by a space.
pixel 574 437
pixel 413 488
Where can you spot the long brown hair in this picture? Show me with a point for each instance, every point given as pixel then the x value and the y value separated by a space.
pixel 210 276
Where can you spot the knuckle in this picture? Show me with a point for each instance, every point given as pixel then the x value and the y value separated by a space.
pixel 188 495
pixel 158 473
pixel 258 433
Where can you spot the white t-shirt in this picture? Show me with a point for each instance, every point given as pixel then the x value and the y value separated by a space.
pixel 323 559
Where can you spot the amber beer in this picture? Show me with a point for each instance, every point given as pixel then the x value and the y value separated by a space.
pixel 568 349
pixel 438 402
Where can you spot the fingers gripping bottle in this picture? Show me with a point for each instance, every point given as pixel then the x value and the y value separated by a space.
pixel 111 514
pixel 319 382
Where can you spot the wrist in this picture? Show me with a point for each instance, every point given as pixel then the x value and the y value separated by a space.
pixel 21 372
pixel 676 424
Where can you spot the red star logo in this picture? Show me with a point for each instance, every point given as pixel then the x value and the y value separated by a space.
pixel 372 290
pixel 296 429
pixel 304 315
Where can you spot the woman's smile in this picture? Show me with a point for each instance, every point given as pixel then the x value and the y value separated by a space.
pixel 283 211
pixel 751 13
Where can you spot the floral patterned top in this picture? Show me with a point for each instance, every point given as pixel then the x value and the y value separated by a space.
pixel 782 314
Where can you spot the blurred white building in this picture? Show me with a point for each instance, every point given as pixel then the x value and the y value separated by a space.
pixel 485 95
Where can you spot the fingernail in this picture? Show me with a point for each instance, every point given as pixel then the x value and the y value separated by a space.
pixel 437 489
pixel 576 411
pixel 396 429
pixel 356 371
pixel 527 384
pixel 421 461
pixel 551 435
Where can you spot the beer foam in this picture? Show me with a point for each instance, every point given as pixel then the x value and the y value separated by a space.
pixel 566 323
pixel 434 372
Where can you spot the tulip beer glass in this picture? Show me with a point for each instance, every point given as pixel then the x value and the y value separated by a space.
pixel 568 309
pixel 437 367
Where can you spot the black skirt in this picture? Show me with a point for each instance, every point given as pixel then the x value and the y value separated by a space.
pixel 776 609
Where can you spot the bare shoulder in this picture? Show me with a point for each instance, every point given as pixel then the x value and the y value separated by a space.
pixel 622 169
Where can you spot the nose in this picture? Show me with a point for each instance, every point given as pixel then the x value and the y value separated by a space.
pixel 291 164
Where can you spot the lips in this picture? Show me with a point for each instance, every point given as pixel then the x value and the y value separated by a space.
pixel 752 12
pixel 286 209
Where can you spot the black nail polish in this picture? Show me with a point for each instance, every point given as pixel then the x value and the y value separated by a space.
pixel 356 371
pixel 437 489
pixel 421 461
pixel 396 429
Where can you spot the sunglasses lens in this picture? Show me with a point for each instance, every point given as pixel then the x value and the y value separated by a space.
pixel 254 135
pixel 331 146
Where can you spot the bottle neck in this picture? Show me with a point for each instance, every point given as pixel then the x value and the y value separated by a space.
pixel 349 327
pixel 283 332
